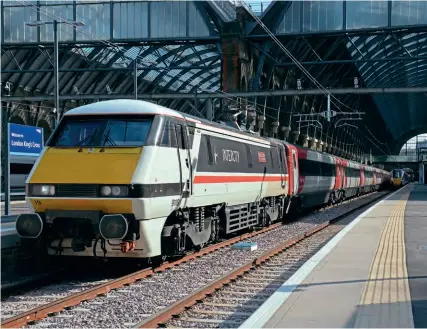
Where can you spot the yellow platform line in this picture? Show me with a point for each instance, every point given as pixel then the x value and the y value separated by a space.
pixel 385 300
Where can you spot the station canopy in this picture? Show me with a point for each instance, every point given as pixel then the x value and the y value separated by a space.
pixel 176 47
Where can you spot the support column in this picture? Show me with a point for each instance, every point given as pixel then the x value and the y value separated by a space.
pixel 209 109
pixel 236 64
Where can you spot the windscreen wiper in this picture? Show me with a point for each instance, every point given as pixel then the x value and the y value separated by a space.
pixel 110 140
pixel 84 140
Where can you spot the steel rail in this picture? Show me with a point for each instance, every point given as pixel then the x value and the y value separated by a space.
pixel 180 306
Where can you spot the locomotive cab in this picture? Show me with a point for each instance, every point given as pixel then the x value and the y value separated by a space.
pixel 84 186
pixel 398 177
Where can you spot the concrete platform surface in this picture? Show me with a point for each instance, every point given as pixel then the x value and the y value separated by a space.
pixel 16 208
pixel 373 273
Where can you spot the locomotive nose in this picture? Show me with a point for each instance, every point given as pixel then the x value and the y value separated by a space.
pixel 29 226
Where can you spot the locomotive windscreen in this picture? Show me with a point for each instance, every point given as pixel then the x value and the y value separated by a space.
pixel 397 173
pixel 101 132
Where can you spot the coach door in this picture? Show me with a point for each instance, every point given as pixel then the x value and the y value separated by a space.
pixel 283 169
pixel 291 153
pixel 296 171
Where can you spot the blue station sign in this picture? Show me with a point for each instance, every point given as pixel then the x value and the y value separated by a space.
pixel 25 140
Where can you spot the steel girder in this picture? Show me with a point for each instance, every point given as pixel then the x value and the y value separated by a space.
pixel 104 65
pixel 347 32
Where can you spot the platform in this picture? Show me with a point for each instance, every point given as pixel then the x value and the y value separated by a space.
pixel 16 208
pixel 371 274
pixel 9 237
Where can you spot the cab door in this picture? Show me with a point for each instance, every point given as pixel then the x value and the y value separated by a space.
pixel 184 159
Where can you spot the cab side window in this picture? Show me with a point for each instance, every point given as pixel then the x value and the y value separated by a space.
pixel 173 135
pixel 169 135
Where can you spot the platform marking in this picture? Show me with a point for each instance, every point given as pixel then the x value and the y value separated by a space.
pixel 386 299
pixel 261 316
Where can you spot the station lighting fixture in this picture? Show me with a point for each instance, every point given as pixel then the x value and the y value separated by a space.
pixel 8 87
pixel 356 82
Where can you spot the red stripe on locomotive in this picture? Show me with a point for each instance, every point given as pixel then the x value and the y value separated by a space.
pixel 237 179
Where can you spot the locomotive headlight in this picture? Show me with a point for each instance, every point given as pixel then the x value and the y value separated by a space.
pixel 105 190
pixel 115 191
pixel 43 190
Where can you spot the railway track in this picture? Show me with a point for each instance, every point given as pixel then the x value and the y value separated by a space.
pixel 229 301
pixel 139 296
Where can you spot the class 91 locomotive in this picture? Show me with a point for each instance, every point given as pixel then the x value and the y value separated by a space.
pixel 128 178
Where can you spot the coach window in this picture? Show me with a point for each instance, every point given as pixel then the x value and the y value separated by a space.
pixel 169 135
pixel 249 155
pixel 209 146
pixel 272 158
pixel 303 168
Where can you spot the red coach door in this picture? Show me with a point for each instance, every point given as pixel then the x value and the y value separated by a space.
pixel 338 174
pixel 362 176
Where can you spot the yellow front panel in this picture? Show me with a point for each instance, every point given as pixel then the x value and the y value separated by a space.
pixel 113 166
pixel 107 206
pixel 397 181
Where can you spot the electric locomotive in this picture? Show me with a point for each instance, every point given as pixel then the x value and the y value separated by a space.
pixel 128 178
pixel 400 178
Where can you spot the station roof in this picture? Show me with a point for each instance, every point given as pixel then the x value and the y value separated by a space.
pixel 95 61
pixel 176 47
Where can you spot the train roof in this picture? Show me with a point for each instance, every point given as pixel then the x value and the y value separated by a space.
pixel 123 106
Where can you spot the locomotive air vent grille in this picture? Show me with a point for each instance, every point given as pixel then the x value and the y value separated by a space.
pixel 76 190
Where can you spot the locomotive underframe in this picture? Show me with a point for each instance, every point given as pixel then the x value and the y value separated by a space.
pixel 195 227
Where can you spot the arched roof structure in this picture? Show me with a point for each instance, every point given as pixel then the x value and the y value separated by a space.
pixel 176 47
